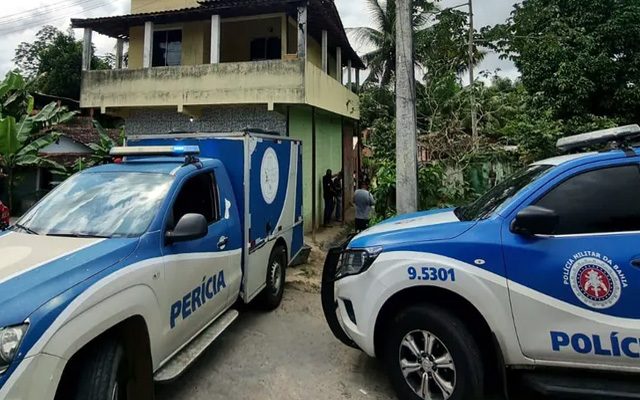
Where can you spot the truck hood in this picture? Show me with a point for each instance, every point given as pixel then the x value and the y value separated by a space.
pixel 417 227
pixel 34 269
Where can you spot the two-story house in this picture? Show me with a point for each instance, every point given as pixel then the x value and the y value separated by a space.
pixel 281 66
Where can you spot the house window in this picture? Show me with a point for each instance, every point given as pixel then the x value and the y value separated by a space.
pixel 167 48
pixel 266 49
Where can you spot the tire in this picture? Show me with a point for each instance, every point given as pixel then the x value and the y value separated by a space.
pixel 271 296
pixel 449 336
pixel 104 374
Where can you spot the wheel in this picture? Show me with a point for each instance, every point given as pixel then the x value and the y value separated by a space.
pixel 271 296
pixel 104 374
pixel 430 355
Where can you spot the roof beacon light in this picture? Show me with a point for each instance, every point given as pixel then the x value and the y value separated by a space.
pixel 173 151
pixel 620 134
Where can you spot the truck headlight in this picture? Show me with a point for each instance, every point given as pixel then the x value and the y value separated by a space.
pixel 10 339
pixel 356 261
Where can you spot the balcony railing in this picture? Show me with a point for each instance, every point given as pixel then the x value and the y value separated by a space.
pixel 262 82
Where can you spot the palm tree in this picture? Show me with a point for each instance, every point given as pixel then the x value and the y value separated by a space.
pixel 382 60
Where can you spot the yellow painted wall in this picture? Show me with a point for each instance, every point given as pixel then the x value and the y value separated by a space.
pixel 314 52
pixel 193 42
pixel 325 92
pixel 136 47
pixel 143 6
pixel 292 45
pixel 261 82
pixel 314 55
pixel 236 37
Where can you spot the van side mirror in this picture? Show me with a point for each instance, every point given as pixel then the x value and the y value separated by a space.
pixel 190 227
pixel 534 220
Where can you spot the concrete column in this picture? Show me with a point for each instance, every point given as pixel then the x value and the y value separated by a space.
pixel 147 56
pixel 357 80
pixel 406 120
pixel 215 39
pixel 339 64
pixel 349 73
pixel 302 32
pixel 119 53
pixel 325 54
pixel 87 50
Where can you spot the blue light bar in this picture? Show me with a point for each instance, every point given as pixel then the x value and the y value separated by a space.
pixel 173 151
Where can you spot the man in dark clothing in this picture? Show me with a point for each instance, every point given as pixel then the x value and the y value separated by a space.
pixel 337 189
pixel 328 195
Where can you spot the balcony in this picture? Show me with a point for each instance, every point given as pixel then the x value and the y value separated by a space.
pixel 195 86
pixel 274 53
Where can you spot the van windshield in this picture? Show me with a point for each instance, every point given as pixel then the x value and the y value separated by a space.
pixel 498 197
pixel 101 204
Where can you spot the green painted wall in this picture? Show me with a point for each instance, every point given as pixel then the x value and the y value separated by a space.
pixel 300 127
pixel 328 153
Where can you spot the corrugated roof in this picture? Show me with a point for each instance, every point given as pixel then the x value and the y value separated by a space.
pixel 322 14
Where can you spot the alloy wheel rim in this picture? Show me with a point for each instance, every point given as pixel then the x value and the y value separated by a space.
pixel 427 365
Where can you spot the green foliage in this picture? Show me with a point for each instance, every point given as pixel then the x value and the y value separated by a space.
pixel 381 61
pixel 580 71
pixel 22 134
pixel 100 150
pixel 14 95
pixel 55 57
pixel 581 56
pixel 442 48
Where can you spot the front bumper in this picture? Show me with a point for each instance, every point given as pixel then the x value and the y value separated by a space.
pixel 327 293
pixel 35 378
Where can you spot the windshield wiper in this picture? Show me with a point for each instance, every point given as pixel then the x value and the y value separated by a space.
pixel 24 228
pixel 78 235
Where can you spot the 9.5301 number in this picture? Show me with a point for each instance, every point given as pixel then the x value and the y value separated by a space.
pixel 431 274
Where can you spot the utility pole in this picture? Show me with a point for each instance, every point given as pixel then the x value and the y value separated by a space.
pixel 472 99
pixel 406 122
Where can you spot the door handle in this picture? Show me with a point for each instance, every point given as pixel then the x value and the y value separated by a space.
pixel 222 242
pixel 636 262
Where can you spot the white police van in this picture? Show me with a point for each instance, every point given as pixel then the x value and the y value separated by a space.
pixel 538 280
pixel 126 272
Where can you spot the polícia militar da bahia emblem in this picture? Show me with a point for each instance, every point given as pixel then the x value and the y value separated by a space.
pixel 594 279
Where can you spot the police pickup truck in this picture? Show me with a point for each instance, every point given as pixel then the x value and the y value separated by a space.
pixel 126 272
pixel 537 281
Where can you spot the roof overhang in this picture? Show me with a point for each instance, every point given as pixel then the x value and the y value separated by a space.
pixel 321 15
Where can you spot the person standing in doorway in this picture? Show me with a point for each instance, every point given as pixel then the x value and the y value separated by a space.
pixel 337 189
pixel 328 194
pixel 364 205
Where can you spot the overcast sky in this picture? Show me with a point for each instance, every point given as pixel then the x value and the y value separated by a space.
pixel 21 19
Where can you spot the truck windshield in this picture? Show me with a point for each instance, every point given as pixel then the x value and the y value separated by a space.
pixel 497 197
pixel 103 204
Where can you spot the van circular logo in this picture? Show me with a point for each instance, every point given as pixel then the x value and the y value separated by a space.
pixel 594 282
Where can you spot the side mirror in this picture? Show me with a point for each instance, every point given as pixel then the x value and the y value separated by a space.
pixel 535 220
pixel 190 227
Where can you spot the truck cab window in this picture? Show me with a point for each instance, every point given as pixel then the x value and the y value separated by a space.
pixel 599 201
pixel 198 196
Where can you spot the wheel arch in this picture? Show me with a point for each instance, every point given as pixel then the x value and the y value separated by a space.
pixel 492 353
pixel 133 334
pixel 281 242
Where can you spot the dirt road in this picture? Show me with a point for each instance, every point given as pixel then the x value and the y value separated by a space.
pixel 287 354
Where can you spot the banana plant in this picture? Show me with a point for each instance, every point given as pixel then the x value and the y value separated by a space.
pixel 23 134
pixel 102 148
